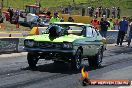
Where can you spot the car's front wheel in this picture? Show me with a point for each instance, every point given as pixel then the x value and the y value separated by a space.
pixel 32 60
pixel 77 60
pixel 95 61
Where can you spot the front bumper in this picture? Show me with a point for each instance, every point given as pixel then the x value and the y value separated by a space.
pixel 49 50
pixel 54 54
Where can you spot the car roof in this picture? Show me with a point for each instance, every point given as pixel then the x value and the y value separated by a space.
pixel 71 24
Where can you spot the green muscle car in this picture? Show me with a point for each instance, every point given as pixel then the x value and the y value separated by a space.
pixel 68 42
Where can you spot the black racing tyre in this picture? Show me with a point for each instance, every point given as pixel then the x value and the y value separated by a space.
pixel 77 60
pixel 95 61
pixel 32 60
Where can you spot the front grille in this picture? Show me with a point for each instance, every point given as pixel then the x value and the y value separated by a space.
pixel 49 45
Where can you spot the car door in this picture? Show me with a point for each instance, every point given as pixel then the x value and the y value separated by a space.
pixel 97 41
pixel 88 41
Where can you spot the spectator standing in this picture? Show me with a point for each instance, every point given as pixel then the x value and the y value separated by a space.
pixel 55 18
pixel 62 19
pixel 90 12
pixel 118 12
pixel 11 12
pixel 97 12
pixel 100 10
pixel 95 22
pixel 48 14
pixel 104 24
pixel 123 26
pixel 1 17
pixel 113 12
pixel 0 12
pixel 111 24
pixel 108 12
pixel 116 24
pixel 104 12
pixel 70 19
pixel 17 15
pixel 130 32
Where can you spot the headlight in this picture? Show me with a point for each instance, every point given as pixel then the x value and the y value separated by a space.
pixel 29 43
pixel 67 45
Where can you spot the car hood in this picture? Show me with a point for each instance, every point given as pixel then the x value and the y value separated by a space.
pixel 45 37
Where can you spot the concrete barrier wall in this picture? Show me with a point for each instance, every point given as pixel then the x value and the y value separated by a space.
pixel 11 45
pixel 112 36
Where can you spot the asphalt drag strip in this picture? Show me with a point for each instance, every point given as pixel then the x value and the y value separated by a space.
pixel 14 71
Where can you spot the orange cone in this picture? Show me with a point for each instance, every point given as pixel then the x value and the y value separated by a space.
pixel 34 31
pixel 37 31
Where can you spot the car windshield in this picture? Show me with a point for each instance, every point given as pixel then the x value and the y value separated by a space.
pixel 64 29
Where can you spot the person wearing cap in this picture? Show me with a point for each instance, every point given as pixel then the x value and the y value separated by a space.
pixel 111 24
pixel 95 22
pixel 130 32
pixel 55 18
pixel 123 26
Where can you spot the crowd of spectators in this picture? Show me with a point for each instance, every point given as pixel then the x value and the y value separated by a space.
pixel 113 12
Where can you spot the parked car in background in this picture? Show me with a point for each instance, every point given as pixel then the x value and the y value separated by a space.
pixel 68 42
pixel 40 21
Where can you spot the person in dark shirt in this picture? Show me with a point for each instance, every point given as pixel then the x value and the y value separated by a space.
pixel 104 24
pixel 11 12
pixel 70 19
pixel 123 26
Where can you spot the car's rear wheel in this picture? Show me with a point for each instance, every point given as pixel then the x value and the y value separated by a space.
pixel 32 60
pixel 95 61
pixel 77 60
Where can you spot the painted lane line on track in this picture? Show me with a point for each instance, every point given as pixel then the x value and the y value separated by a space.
pixel 13 55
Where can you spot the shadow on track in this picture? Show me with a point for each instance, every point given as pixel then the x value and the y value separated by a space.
pixel 60 67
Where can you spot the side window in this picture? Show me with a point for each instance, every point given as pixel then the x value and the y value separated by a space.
pixel 94 32
pixel 89 32
pixel 76 28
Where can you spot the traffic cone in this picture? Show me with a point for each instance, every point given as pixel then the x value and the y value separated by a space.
pixel 37 31
pixel 34 31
